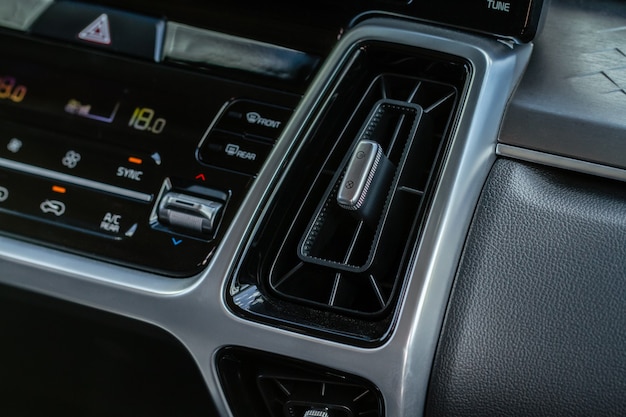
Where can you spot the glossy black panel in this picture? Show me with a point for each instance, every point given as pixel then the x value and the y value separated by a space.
pixel 90 141
pixel 62 359
pixel 284 21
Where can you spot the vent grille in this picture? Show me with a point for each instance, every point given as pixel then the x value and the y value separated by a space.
pixel 312 262
pixel 258 384
pixel 296 396
pixel 356 269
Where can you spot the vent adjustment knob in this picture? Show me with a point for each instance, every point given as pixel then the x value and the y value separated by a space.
pixel 366 182
pixel 316 413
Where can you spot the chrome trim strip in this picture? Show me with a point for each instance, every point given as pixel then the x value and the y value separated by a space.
pixel 70 179
pixel 557 161
pixel 193 45
pixel 20 14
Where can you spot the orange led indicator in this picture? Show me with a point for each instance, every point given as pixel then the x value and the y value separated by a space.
pixel 58 189
pixel 133 160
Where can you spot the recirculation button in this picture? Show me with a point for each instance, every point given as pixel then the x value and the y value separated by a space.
pixel 190 214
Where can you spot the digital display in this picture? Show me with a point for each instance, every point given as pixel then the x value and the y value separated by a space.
pixel 11 90
pixel 88 104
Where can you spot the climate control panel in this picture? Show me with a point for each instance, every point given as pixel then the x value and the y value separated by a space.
pixel 134 163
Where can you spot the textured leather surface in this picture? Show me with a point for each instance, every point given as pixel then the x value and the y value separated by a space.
pixel 536 323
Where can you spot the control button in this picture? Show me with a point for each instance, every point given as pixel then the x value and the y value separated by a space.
pixel 55 207
pixel 100 27
pixel 193 214
pixel 15 145
pixel 89 165
pixel 97 31
pixel 111 222
pixel 129 173
pixel 235 152
pixel 71 159
pixel 105 216
pixel 74 206
pixel 118 222
pixel 254 118
pixel 176 242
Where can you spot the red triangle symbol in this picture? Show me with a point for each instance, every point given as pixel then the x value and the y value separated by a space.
pixel 97 31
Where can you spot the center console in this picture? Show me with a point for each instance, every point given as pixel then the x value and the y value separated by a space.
pixel 283 189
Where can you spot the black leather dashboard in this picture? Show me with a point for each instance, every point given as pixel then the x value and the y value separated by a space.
pixel 535 323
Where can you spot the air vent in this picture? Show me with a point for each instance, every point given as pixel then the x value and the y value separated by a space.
pixel 329 259
pixel 336 260
pixel 264 385
pixel 294 396
pixel 349 229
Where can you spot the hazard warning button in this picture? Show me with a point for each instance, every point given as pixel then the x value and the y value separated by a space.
pixel 101 27
pixel 97 31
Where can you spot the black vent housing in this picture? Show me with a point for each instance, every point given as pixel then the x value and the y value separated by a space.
pixel 259 384
pixel 314 265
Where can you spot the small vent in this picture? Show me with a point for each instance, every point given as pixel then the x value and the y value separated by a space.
pixel 286 397
pixel 325 262
pixel 258 384
pixel 342 263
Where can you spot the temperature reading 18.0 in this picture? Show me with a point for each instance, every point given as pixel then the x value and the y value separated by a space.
pixel 143 119
pixel 9 89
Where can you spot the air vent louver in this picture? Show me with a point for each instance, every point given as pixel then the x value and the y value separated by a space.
pixel 285 396
pixel 344 264
pixel 315 263
pixel 258 384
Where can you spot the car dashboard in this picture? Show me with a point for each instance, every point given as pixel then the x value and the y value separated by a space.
pixel 336 209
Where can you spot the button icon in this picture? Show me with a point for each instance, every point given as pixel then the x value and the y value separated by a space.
pixel 156 157
pixel 53 206
pixel 4 194
pixel 255 118
pixel 71 159
pixel 15 145
pixel 97 31
pixel 234 150
pixel 131 232
pixel 176 242
pixel 111 223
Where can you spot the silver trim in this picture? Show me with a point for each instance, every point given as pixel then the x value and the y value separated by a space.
pixel 70 179
pixel 557 161
pixel 195 45
pixel 20 14
pixel 194 311
pixel 360 172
